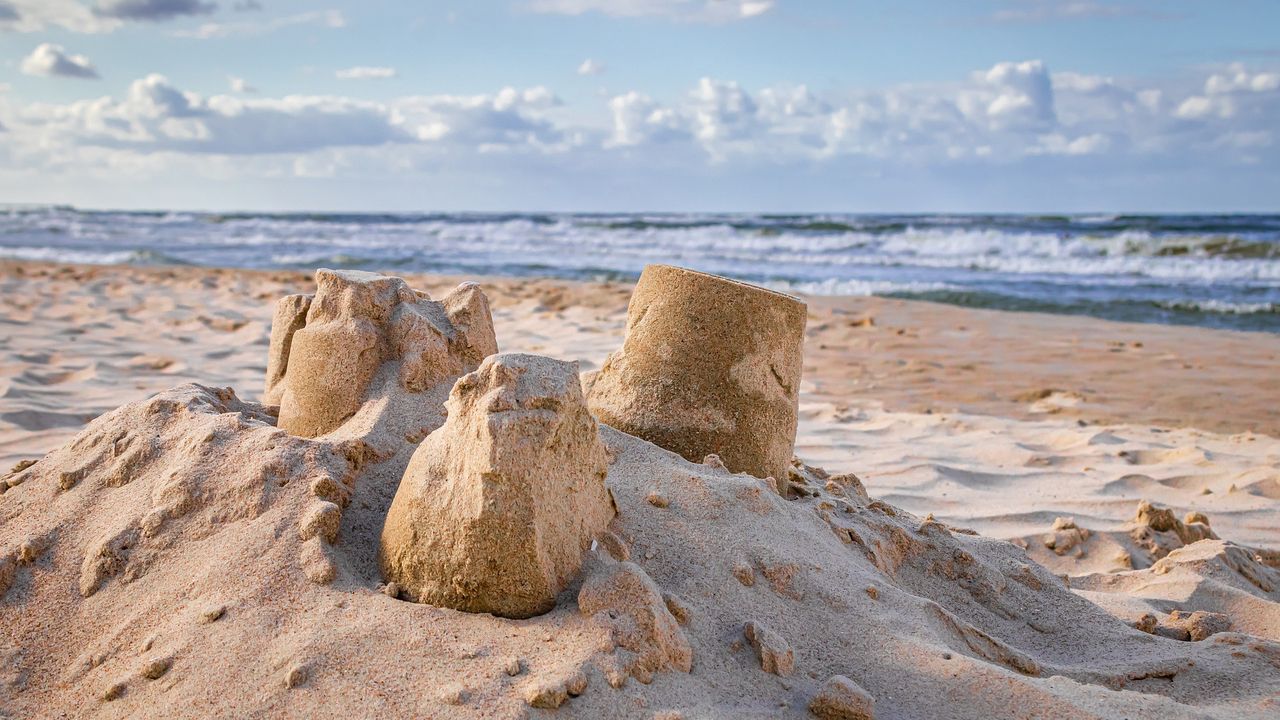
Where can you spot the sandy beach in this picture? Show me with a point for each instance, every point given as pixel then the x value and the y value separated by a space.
pixel 978 434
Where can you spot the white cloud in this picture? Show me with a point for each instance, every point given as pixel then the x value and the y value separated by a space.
pixel 510 120
pixel 1024 95
pixel 240 85
pixel 1040 11
pixel 681 10
pixel 723 114
pixel 1198 107
pixel 752 9
pixel 49 60
pixel 1011 111
pixel 1227 92
pixel 591 67
pixel 332 19
pixel 1011 115
pixel 637 120
pixel 1235 78
pixel 1058 144
pixel 364 72
pixel 155 116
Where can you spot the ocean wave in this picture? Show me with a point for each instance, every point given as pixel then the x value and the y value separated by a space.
pixel 91 257
pixel 87 257
pixel 858 287
pixel 1221 307
pixel 1220 270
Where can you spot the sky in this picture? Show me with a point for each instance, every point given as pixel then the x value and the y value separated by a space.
pixel 635 105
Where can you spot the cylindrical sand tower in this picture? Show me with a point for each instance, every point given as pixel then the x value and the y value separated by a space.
pixel 709 365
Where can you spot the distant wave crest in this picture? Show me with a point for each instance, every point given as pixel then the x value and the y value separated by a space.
pixel 1221 270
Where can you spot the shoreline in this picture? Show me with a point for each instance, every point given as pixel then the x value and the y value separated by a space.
pixel 910 355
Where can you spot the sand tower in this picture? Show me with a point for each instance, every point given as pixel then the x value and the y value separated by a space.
pixel 497 507
pixel 363 334
pixel 709 365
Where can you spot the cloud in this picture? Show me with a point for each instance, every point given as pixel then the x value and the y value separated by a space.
pixel 680 10
pixel 1043 11
pixel 1024 95
pixel 510 120
pixel 752 9
pixel 591 67
pixel 38 15
pixel 332 19
pixel 1228 92
pixel 1015 119
pixel 240 85
pixel 246 6
pixel 1235 78
pixel 156 116
pixel 1009 113
pixel 638 120
pixel 49 60
pixel 151 10
pixel 364 72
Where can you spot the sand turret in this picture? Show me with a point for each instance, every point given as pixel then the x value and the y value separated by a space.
pixel 330 353
pixel 497 507
pixel 709 366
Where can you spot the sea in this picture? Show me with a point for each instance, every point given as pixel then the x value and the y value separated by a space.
pixel 1219 271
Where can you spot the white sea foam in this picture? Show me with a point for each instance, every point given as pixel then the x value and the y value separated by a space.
pixel 51 254
pixel 859 288
pixel 1221 306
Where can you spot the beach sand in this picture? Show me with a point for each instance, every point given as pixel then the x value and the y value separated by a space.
pixel 1047 432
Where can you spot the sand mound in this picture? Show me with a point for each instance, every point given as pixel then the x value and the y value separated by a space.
pixel 234 576
pixel 1214 576
pixel 1153 533
pixel 498 506
pixel 183 556
pixel 1166 575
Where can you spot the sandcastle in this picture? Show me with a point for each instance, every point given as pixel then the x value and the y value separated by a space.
pixel 363 334
pixel 709 366
pixel 498 506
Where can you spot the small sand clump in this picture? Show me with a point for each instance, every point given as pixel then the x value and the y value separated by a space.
pixel 497 507
pixel 1065 536
pixel 840 698
pixel 776 655
pixel 622 597
pixel 1194 626
pixel 155 668
pixel 1195 528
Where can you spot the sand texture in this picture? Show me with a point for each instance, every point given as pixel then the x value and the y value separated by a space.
pixel 184 556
